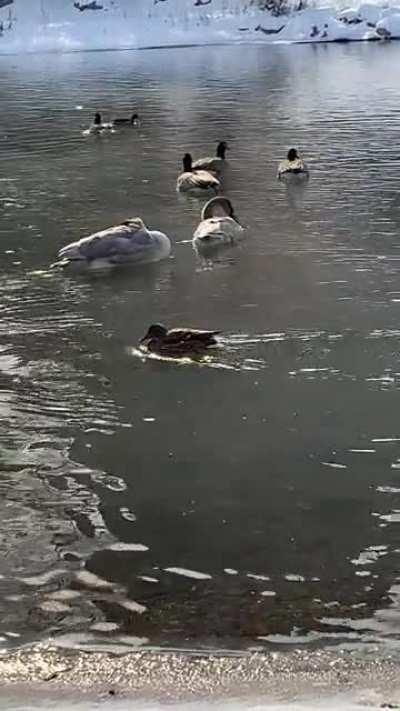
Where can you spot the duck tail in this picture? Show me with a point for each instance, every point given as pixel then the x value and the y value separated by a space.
pixel 212 341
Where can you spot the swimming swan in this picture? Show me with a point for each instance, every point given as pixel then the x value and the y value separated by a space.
pixel 177 341
pixel 195 182
pixel 128 243
pixel 219 226
pixel 216 163
pixel 293 166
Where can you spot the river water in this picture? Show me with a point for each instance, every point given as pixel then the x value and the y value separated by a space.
pixel 251 500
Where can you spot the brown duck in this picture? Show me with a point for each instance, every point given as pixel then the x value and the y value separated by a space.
pixel 178 341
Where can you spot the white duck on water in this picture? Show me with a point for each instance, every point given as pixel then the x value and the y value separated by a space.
pixel 195 182
pixel 219 226
pixel 125 244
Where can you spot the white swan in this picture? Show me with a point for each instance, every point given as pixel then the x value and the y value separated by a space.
pixel 219 226
pixel 197 182
pixel 128 243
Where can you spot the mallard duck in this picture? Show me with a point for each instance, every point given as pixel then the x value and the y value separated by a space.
pixel 128 243
pixel 177 341
pixel 292 166
pixel 215 163
pixel 132 121
pixel 219 226
pixel 195 182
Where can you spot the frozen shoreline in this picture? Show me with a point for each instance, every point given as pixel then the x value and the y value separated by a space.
pixel 30 26
pixel 25 702
pixel 319 679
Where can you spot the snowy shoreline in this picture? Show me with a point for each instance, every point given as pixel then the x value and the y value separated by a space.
pixel 27 26
pixel 299 679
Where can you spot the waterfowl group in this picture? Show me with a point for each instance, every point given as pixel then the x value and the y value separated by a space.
pixel 131 242
pixel 98 125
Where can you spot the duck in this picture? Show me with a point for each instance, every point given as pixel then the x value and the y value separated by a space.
pixel 132 121
pixel 219 226
pixel 216 163
pixel 292 166
pixel 195 182
pixel 127 243
pixel 178 341
pixel 97 126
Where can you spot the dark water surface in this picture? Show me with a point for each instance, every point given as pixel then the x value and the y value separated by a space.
pixel 268 474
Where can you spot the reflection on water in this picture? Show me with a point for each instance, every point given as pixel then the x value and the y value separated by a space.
pixel 248 497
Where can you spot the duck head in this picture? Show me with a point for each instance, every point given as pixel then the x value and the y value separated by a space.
pixel 187 163
pixel 134 118
pixel 97 119
pixel 221 149
pixel 292 154
pixel 156 330
pixel 135 223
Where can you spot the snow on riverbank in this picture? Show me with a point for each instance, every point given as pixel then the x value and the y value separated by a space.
pixel 338 703
pixel 365 22
pixel 43 676
pixel 36 25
